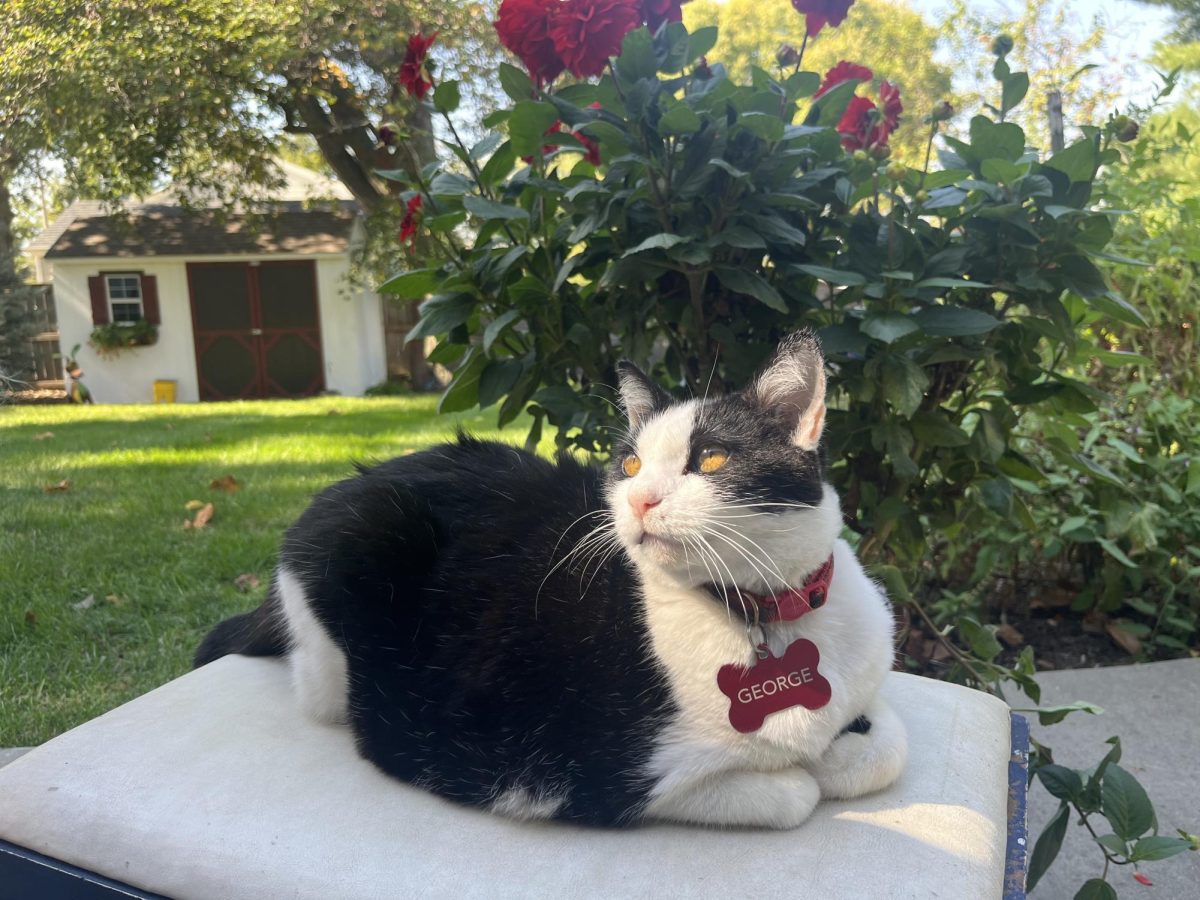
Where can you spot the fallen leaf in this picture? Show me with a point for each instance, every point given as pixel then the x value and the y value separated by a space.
pixel 30 618
pixel 247 581
pixel 193 505
pixel 1127 642
pixel 203 517
pixel 1010 635
pixel 334 412
pixel 64 485
pixel 44 436
pixel 170 427
pixel 114 600
pixel 1143 878
pixel 228 484
pixel 1095 622
pixel 1054 599
pixel 86 603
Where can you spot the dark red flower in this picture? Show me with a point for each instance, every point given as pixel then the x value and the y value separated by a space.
pixel 524 28
pixel 591 151
pixel 587 32
pixel 656 12
pixel 819 13
pixel 408 225
pixel 864 126
pixel 843 71
pixel 856 123
pixel 414 76
pixel 892 107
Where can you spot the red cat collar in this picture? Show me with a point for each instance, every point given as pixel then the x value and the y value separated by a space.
pixel 796 602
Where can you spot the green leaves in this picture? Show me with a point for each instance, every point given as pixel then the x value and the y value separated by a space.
pixel 743 282
pixel 489 210
pixel 904 383
pixel 955 321
pixel 1125 804
pixel 1049 842
pixel 528 124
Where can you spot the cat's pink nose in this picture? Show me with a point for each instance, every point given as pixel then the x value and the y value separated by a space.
pixel 643 502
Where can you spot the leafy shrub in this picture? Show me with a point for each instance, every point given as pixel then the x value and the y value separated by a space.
pixel 721 216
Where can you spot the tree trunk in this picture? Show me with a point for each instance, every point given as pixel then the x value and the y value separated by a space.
pixel 8 240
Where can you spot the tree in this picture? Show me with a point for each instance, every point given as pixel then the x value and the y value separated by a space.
pixel 127 93
pixel 891 39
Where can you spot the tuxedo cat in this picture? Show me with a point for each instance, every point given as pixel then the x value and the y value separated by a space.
pixel 545 640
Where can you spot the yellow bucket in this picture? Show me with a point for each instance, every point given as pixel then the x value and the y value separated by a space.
pixel 164 391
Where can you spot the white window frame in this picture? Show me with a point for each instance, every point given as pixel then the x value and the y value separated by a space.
pixel 124 301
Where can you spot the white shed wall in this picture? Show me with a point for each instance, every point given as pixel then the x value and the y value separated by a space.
pixel 352 339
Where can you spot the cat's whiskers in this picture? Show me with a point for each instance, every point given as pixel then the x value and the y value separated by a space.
pixel 602 532
pixel 717 559
pixel 714 579
pixel 765 559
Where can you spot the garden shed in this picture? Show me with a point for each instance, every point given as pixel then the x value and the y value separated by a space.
pixel 231 305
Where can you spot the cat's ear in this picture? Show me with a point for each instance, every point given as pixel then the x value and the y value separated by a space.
pixel 792 385
pixel 640 396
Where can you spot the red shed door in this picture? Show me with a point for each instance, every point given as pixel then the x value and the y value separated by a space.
pixel 257 329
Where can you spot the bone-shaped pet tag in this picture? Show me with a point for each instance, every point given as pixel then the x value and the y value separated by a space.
pixel 773 684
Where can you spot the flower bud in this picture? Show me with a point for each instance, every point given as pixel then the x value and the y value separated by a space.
pixel 896 171
pixel 921 196
pixel 787 55
pixel 861 156
pixel 1124 129
pixel 388 133
pixel 1002 46
pixel 942 112
pixel 880 151
pixel 702 69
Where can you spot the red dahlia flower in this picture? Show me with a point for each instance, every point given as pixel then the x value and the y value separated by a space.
pixel 819 13
pixel 408 226
pixel 864 125
pixel 656 12
pixel 524 28
pixel 843 71
pixel 414 75
pixel 587 32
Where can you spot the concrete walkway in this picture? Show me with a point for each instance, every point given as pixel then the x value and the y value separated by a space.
pixel 8 755
pixel 1155 709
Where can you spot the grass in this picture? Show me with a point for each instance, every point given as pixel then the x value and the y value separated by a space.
pixel 116 534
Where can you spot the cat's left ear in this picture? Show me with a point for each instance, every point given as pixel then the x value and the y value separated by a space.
pixel 792 385
pixel 640 396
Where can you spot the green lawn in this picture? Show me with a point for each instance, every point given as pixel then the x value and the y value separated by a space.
pixel 117 533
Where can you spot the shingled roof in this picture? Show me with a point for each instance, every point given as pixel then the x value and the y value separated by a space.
pixel 169 230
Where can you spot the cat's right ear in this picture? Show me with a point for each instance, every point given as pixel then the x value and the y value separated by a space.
pixel 640 396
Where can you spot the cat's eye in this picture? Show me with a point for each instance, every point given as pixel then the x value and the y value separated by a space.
pixel 711 459
pixel 632 465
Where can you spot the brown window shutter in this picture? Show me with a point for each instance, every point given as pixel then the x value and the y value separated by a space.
pixel 99 299
pixel 150 300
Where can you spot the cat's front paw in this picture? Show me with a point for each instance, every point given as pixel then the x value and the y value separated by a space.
pixel 866 757
pixel 781 799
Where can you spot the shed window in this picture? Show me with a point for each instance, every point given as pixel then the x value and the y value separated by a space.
pixel 124 298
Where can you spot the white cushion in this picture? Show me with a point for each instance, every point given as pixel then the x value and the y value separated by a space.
pixel 216 786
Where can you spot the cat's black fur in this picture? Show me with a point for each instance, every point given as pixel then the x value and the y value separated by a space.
pixel 424 570
pixel 475 666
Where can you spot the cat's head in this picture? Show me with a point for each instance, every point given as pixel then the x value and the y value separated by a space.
pixel 728 490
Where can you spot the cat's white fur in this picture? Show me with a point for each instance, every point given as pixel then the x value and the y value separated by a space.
pixel 702 769
pixel 319 670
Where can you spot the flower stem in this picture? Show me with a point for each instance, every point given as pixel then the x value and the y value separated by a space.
pixel 933 130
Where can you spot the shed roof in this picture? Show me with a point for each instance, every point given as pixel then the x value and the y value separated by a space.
pixel 170 230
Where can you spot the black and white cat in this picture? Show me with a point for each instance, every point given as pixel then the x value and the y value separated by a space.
pixel 544 639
